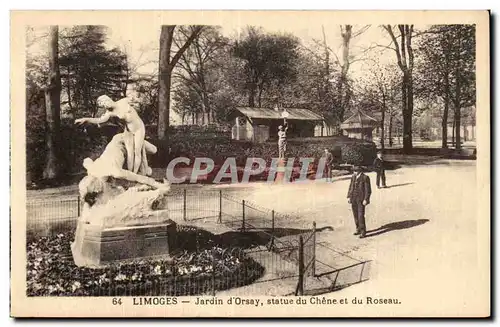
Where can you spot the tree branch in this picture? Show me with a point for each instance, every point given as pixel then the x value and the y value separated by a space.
pixel 361 31
pixel 388 28
pixel 410 49
pixel 194 34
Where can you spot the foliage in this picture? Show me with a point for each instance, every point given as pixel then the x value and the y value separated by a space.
pixel 447 72
pixel 35 128
pixel 212 74
pixel 269 59
pixel 448 55
pixel 200 75
pixel 219 147
pixel 358 154
pixel 89 69
pixel 146 89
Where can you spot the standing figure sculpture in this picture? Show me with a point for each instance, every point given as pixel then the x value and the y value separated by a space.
pixel 133 136
pixel 121 203
pixel 282 129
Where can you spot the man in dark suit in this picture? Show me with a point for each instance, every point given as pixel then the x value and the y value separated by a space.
pixel 379 167
pixel 359 197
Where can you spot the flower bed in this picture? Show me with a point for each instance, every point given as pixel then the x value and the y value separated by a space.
pixel 197 270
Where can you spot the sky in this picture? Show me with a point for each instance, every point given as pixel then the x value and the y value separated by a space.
pixel 141 44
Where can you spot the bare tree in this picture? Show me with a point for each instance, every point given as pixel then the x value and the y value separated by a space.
pixel 53 106
pixel 405 60
pixel 166 66
pixel 197 63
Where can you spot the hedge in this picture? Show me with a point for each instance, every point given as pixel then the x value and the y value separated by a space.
pixel 77 143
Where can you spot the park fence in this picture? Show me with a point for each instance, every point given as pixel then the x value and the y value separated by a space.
pixel 248 232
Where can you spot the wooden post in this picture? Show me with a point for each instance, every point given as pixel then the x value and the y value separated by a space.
pixel 300 287
pixel 243 215
pixel 184 206
pixel 272 231
pixel 313 264
pixel 220 206
pixel 213 271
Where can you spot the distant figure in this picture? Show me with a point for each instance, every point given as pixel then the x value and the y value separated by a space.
pixel 282 129
pixel 328 165
pixel 379 166
pixel 133 136
pixel 359 197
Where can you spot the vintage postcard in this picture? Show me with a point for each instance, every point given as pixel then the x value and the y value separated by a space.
pixel 250 164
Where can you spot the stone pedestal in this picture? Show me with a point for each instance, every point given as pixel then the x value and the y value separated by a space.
pixel 96 245
pixel 121 224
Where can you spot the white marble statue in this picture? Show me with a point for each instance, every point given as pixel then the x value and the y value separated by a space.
pixel 133 136
pixel 105 199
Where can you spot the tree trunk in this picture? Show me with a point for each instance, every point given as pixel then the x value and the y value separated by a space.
pixel 164 80
pixel 390 130
pixel 458 97
pixel 382 120
pixel 405 59
pixel 206 108
pixel 68 91
pixel 326 88
pixel 166 65
pixel 53 107
pixel 464 126
pixel 251 97
pixel 453 134
pixel 164 105
pixel 342 87
pixel 259 97
pixel 458 146
pixel 408 132
pixel 444 124
pixel 340 90
pixel 406 119
pixel 382 131
pixel 446 80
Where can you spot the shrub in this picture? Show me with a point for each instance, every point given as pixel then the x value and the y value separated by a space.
pixel 221 148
